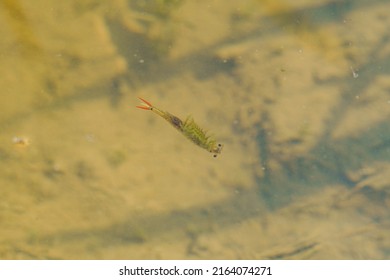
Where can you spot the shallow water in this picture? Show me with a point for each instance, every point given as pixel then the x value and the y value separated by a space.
pixel 297 92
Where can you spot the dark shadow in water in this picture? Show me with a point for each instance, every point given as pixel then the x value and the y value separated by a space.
pixel 172 226
pixel 329 160
pixel 203 63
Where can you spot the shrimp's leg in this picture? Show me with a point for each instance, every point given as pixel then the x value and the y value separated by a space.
pixel 146 105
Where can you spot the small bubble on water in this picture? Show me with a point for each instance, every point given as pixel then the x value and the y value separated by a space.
pixel 354 73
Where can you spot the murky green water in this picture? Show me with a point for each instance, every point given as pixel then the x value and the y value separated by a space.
pixel 297 92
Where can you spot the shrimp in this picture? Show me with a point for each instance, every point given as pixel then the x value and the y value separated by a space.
pixel 188 128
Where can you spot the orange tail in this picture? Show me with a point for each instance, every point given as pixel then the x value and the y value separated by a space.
pixel 146 105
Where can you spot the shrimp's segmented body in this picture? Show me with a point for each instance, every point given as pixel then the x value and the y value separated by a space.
pixel 189 128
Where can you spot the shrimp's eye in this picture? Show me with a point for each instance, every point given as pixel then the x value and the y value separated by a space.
pixel 216 149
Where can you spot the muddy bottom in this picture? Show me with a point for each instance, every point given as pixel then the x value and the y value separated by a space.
pixel 298 93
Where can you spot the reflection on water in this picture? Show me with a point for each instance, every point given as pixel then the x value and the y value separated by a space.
pixel 298 93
